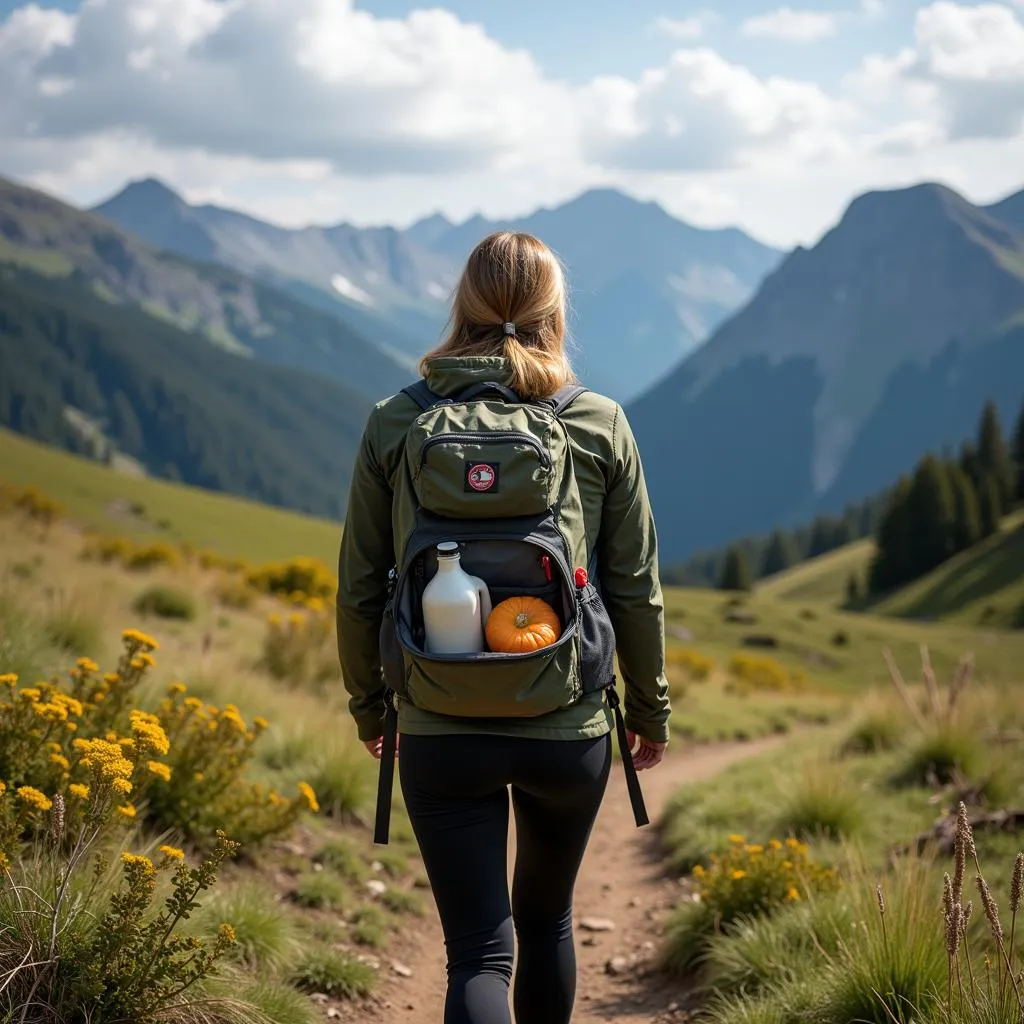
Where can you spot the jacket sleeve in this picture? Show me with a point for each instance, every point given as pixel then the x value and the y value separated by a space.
pixel 367 554
pixel 628 576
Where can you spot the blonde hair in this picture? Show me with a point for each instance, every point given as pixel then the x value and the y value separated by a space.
pixel 512 277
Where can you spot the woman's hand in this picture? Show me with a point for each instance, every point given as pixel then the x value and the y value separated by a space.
pixel 647 754
pixel 376 747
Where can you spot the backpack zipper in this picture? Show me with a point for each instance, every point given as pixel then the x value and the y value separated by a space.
pixel 482 437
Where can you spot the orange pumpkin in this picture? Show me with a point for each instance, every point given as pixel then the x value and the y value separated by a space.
pixel 521 624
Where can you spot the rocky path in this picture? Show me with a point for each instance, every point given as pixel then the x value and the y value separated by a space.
pixel 622 884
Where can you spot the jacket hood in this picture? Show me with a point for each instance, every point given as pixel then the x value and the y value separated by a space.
pixel 448 375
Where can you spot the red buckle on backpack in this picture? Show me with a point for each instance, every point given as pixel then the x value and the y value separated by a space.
pixel 581 577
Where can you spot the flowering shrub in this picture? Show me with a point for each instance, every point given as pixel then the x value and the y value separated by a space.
pixel 697 666
pixel 33 503
pixel 760 672
pixel 181 767
pixel 298 646
pixel 150 556
pixel 232 592
pixel 306 577
pixel 751 879
pixel 100 548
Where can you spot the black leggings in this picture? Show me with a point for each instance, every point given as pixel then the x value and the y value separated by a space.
pixel 455 789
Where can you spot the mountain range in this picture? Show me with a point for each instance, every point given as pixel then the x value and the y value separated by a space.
pixel 854 358
pixel 850 359
pixel 642 281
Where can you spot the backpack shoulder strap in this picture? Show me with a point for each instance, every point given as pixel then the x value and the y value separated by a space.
pixel 422 395
pixel 565 396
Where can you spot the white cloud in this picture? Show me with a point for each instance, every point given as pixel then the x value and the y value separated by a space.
pixel 682 28
pixel 700 112
pixel 791 25
pixel 318 111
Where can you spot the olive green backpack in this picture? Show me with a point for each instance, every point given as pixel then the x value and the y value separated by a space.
pixel 494 474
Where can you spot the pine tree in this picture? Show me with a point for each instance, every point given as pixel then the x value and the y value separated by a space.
pixel 967 513
pixel 1018 453
pixel 970 464
pixel 932 511
pixel 891 564
pixel 990 505
pixel 993 457
pixel 780 554
pixel 736 571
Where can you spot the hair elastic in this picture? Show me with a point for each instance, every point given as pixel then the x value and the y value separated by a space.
pixel 509 329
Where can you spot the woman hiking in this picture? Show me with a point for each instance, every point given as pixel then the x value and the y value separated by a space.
pixel 460 769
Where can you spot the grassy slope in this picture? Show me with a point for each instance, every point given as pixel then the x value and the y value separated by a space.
pixel 807 635
pixel 820 579
pixel 984 585
pixel 94 496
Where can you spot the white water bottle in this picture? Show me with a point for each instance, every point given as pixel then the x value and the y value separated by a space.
pixel 456 606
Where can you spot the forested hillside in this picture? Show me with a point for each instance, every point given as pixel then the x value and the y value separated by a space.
pixel 185 409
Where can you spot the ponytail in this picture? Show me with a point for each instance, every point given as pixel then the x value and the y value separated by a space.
pixel 512 279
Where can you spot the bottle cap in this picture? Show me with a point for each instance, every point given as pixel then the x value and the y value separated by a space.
pixel 581 577
pixel 447 549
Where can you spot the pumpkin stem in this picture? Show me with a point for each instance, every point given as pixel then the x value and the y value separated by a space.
pixel 522 620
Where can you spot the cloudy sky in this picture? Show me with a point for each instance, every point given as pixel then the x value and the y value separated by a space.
pixel 373 111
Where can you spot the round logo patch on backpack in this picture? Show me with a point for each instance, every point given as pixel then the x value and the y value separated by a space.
pixel 481 476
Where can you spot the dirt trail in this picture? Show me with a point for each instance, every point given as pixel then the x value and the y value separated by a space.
pixel 622 880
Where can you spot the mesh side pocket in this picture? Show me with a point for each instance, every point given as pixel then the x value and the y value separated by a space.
pixel 392 660
pixel 597 641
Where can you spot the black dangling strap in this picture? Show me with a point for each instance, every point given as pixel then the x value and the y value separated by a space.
pixel 636 796
pixel 386 778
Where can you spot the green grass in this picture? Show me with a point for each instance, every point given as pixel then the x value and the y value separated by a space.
pixel 822 579
pixel 334 973
pixel 96 496
pixel 983 586
pixel 804 633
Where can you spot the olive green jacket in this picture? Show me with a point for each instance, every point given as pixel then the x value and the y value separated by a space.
pixel 616 509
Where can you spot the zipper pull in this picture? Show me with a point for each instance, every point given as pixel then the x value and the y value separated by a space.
pixel 581 578
pixel 545 564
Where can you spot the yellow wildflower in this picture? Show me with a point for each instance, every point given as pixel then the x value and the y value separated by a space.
pixel 60 761
pixel 176 688
pixel 698 871
pixel 172 852
pixel 32 796
pixel 121 786
pixel 227 933
pixel 3 787
pixel 310 797
pixel 737 875
pixel 79 791
pixel 71 726
pixel 199 776
pixel 137 860
pixel 775 844
pixel 127 811
pixel 87 665
pixel 793 844
pixel 9 679
pixel 30 693
pixel 792 895
pixel 140 639
pixel 50 711
pixel 193 703
pixel 232 717
pixel 71 704
pixel 160 770
pixel 111 678
pixel 260 723
pixel 737 840
pixel 149 733
pixel 754 849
